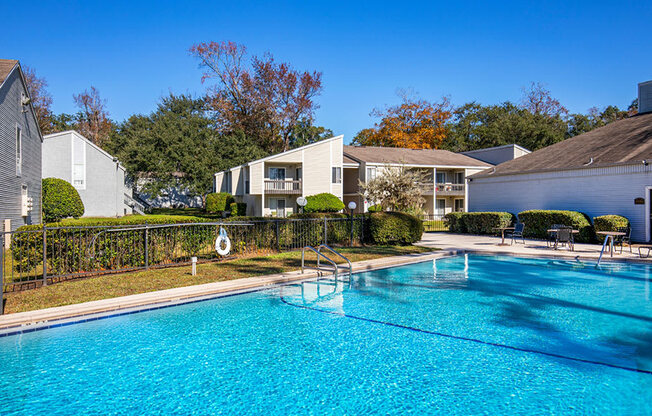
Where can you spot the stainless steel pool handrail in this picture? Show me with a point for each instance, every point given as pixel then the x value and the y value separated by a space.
pixel 319 254
pixel 325 246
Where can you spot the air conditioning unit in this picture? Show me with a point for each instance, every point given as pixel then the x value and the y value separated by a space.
pixel 27 205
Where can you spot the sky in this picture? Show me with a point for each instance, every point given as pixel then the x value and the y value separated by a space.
pixel 586 53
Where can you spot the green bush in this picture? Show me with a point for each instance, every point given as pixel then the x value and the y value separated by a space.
pixel 218 202
pixel 608 223
pixel 238 209
pixel 454 222
pixel 388 228
pixel 486 222
pixel 537 222
pixel 375 208
pixel 324 202
pixel 60 200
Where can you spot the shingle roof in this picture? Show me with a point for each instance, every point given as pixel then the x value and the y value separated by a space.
pixel 347 159
pixel 621 142
pixel 372 154
pixel 6 65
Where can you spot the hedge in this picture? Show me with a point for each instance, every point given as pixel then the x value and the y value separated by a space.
pixel 388 228
pixel 238 209
pixel 60 200
pixel 537 222
pixel 375 208
pixel 324 202
pixel 218 202
pixel 609 223
pixel 453 221
pixel 486 222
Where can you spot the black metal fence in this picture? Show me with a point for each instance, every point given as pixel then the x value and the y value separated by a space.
pixel 48 255
pixel 434 223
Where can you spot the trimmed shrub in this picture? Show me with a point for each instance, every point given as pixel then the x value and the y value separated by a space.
pixel 324 202
pixel 218 202
pixel 485 222
pixel 453 221
pixel 538 221
pixel 238 209
pixel 375 208
pixel 60 200
pixel 394 228
pixel 608 223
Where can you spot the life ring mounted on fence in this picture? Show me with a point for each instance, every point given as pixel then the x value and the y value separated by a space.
pixel 222 238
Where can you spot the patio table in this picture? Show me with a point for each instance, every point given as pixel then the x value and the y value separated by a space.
pixel 502 233
pixel 609 237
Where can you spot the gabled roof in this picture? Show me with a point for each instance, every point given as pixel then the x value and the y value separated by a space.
pixel 88 142
pixel 621 142
pixel 6 66
pixel 505 146
pixel 398 155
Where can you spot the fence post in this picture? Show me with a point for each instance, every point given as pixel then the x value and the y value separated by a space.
pixel 325 230
pixel 2 275
pixel 278 238
pixel 45 255
pixel 146 246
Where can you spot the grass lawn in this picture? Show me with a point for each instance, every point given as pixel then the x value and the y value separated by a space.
pixel 109 286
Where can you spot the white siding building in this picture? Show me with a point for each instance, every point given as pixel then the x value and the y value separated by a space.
pixel 605 171
pixel 98 177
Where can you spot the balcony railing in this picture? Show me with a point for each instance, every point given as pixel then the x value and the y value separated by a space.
pixel 282 187
pixel 450 188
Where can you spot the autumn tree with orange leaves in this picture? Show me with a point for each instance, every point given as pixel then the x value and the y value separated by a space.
pixel 414 124
pixel 263 98
pixel 93 118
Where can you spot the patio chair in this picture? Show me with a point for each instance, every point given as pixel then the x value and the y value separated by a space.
pixel 564 235
pixel 552 237
pixel 620 239
pixel 517 233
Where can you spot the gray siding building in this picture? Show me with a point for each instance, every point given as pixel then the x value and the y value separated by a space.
pixel 605 171
pixel 20 150
pixel 98 177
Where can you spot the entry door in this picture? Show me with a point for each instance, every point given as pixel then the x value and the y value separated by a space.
pixel 440 207
pixel 278 176
pixel 280 208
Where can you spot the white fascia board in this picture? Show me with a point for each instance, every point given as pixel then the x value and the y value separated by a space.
pixel 409 165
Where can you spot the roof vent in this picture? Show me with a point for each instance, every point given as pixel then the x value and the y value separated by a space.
pixel 645 97
pixel 589 163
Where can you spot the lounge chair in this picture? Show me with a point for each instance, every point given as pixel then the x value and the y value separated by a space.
pixel 517 233
pixel 564 235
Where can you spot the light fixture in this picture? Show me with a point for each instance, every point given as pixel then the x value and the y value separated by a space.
pixel 352 205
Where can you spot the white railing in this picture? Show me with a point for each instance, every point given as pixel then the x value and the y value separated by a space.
pixel 282 187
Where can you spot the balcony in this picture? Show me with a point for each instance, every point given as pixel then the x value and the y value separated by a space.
pixel 453 189
pixel 283 187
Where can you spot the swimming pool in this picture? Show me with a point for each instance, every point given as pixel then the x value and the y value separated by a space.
pixel 466 334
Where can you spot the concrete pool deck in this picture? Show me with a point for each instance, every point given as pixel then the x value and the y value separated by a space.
pixel 19 322
pixel 539 248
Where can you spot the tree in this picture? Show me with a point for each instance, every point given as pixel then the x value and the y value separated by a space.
pixel 396 189
pixel 177 147
pixel 41 99
pixel 305 133
pixel 93 119
pixel 415 124
pixel 262 98
pixel 538 100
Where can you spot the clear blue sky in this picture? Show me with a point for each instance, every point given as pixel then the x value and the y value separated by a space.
pixel 587 53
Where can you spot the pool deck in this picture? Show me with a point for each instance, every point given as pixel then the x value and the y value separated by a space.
pixel 27 321
pixel 537 248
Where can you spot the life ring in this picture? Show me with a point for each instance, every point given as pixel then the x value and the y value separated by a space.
pixel 222 239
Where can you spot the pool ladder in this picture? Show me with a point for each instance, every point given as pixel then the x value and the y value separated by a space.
pixel 332 267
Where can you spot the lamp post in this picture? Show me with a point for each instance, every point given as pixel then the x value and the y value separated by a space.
pixel 301 202
pixel 352 205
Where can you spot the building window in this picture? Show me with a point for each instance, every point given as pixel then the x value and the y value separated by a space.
pixel 441 177
pixel 371 174
pixel 19 151
pixel 459 177
pixel 78 163
pixel 299 174
pixel 459 205
pixel 440 207
pixel 337 175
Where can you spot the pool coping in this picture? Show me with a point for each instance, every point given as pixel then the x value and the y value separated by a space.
pixel 23 322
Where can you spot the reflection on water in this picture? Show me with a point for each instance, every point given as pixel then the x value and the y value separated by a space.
pixel 448 273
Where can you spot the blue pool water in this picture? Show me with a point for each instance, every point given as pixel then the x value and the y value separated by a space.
pixel 460 335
